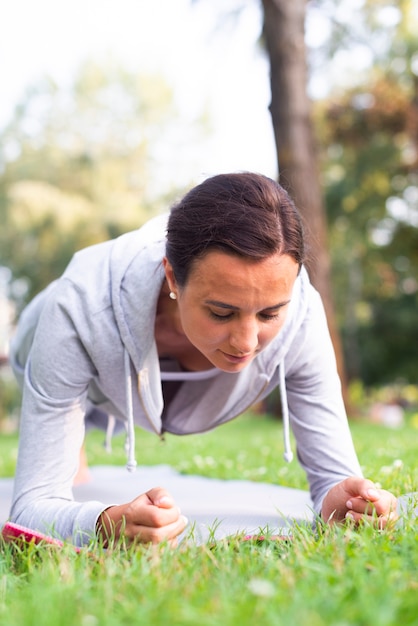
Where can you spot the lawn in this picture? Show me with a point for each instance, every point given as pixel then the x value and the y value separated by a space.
pixel 340 576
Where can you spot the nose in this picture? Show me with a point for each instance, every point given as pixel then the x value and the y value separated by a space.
pixel 244 337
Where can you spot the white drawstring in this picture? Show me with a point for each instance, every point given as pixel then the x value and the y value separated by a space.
pixel 288 454
pixel 130 437
pixel 130 430
pixel 111 423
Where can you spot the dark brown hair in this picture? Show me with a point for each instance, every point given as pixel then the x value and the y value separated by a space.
pixel 244 214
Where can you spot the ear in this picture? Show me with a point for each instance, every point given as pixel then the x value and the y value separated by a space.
pixel 169 274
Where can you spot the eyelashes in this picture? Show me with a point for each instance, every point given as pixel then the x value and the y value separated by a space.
pixel 268 317
pixel 218 317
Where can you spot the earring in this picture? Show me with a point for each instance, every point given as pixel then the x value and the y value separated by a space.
pixel 173 295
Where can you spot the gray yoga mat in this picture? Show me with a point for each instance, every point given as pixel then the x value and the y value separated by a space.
pixel 215 508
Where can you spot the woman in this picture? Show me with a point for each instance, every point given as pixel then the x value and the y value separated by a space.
pixel 179 327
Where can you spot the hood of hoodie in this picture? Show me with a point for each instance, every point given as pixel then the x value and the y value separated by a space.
pixel 137 274
pixel 136 265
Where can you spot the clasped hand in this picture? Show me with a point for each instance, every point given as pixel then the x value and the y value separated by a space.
pixel 152 517
pixel 359 499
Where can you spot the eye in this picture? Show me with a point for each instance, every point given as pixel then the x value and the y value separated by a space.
pixel 218 316
pixel 269 316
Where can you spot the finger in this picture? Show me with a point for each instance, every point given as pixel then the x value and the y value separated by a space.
pixel 361 506
pixel 385 504
pixel 380 522
pixel 154 535
pixel 143 512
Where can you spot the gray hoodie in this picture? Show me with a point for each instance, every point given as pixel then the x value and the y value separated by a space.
pixel 88 340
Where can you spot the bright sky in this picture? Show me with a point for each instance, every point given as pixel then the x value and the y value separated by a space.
pixel 213 62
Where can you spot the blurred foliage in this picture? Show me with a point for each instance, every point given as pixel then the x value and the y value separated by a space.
pixel 369 140
pixel 405 396
pixel 79 166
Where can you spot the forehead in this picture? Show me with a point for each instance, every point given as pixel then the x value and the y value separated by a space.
pixel 232 276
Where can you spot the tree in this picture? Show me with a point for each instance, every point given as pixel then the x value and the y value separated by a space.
pixel 297 155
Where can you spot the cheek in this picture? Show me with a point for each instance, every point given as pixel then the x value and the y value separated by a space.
pixel 209 334
pixel 206 333
pixel 270 332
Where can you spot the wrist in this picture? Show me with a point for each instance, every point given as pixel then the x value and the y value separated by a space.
pixel 334 504
pixel 110 524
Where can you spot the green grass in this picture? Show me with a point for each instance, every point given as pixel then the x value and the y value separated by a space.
pixel 339 576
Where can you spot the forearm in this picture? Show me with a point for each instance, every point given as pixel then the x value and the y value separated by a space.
pixel 49 444
pixel 63 519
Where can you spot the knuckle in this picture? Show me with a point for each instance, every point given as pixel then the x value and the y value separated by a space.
pixel 156 518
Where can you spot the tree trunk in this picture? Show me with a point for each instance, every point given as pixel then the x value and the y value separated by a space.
pixel 284 35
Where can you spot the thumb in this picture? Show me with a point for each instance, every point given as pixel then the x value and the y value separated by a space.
pixel 356 486
pixel 160 497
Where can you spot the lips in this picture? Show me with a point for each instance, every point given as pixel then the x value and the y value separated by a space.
pixel 237 359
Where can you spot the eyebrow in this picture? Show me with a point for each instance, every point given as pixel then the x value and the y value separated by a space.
pixel 224 305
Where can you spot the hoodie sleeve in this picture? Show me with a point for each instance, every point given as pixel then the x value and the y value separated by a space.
pixel 324 444
pixel 56 379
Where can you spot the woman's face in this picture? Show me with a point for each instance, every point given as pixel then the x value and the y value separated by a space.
pixel 231 307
